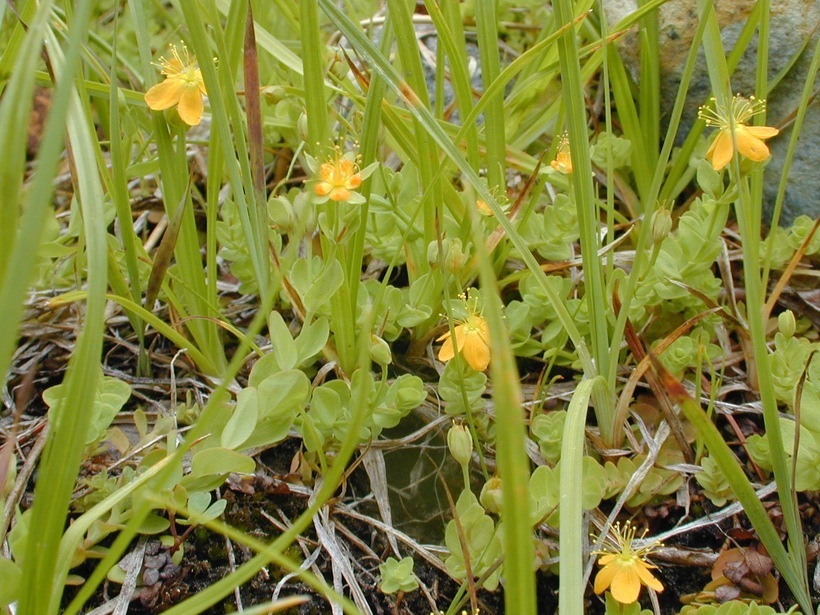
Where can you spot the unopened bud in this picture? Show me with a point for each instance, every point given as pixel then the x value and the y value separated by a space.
pixel 786 323
pixel 452 252
pixel 661 224
pixel 302 127
pixel 490 497
pixel 380 351
pixel 273 94
pixel 460 443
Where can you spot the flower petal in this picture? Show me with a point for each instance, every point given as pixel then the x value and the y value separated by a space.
pixel 604 577
pixel 200 82
pixel 720 153
pixel 605 559
pixel 476 351
pixel 164 95
pixel 339 194
pixel 626 586
pixel 750 146
pixel 191 106
pixel 446 352
pixel 461 337
pixel 762 132
pixel 647 578
pixel 354 181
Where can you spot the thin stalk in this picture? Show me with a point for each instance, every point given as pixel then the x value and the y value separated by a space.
pixel 494 120
pixel 414 84
pixel 313 52
pixel 226 113
pixel 586 204
pixel 513 463
pixel 748 210
pixel 741 487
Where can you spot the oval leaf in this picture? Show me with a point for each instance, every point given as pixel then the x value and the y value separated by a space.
pixel 243 420
pixel 215 461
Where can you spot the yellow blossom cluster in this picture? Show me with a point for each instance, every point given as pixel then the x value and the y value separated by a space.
pixel 732 123
pixel 183 86
pixel 338 178
pixel 563 157
pixel 625 567
pixel 470 337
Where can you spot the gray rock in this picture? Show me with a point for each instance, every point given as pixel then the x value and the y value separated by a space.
pixel 792 22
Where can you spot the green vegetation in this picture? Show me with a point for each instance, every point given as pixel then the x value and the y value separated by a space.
pixel 255 255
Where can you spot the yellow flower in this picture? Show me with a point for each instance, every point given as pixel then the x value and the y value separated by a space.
pixel 563 159
pixel 337 179
pixel 483 208
pixel 625 568
pixel 183 86
pixel 749 139
pixel 472 340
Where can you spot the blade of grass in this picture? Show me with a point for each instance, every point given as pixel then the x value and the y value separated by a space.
pixel 119 195
pixel 486 17
pixel 571 541
pixel 650 85
pixel 18 235
pixel 800 117
pixel 174 175
pixel 428 155
pixel 253 110
pixel 741 487
pixel 15 107
pixel 226 113
pixel 342 303
pixel 61 460
pixel 450 30
pixel 655 195
pixel 586 206
pixel 150 318
pixel 313 52
pixel 513 463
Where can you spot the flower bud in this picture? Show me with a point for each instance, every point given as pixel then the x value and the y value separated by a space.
pixel 490 497
pixel 786 323
pixel 460 443
pixel 661 224
pixel 380 351
pixel 302 127
pixel 273 94
pixel 452 252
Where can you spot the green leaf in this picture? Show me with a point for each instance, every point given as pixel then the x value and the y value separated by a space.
pixel 317 286
pixel 283 345
pixel 548 430
pixel 709 180
pixel 397 575
pixel 264 367
pixel 201 510
pixel 282 393
pixel 154 524
pixel 217 461
pixel 243 420
pixel 111 396
pixel 11 574
pixel 312 338
pixel 606 145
